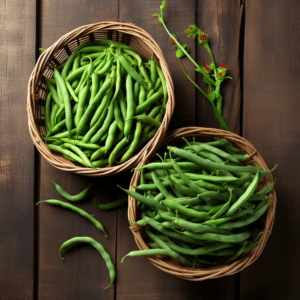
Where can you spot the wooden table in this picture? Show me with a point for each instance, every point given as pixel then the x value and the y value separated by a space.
pixel 257 40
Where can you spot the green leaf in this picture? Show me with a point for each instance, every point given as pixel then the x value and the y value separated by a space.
pixel 179 53
pixel 163 5
pixel 42 50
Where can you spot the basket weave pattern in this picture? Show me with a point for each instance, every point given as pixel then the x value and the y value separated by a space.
pixel 265 223
pixel 55 55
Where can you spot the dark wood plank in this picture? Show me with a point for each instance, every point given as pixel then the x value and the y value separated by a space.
pixel 137 278
pixel 83 274
pixel 271 123
pixel 17 56
pixel 221 21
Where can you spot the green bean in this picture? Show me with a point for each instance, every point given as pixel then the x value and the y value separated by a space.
pixel 93 104
pixel 92 49
pixel 145 76
pixel 85 77
pixel 134 143
pixel 47 113
pixel 86 44
pixel 164 84
pixel 214 150
pixel 209 165
pixel 118 81
pixel 53 92
pixel 80 153
pixel 224 252
pixel 168 165
pixel 185 179
pixel 58 127
pixel 258 212
pixel 250 190
pixel 216 179
pixel 148 120
pixel 95 85
pixel 74 198
pixel 82 98
pixel 53 115
pixel 160 186
pixel 99 248
pixel 187 225
pixel 100 163
pixel 232 238
pixel 130 106
pixel 104 104
pixel 178 236
pixel 60 114
pixel 118 116
pixel 231 148
pixel 164 245
pixel 66 97
pixel 267 189
pixel 186 211
pixel 113 204
pixel 144 106
pixel 77 210
pixel 136 91
pixel 239 214
pixel 239 192
pixel 123 105
pixel 202 250
pixel 105 101
pixel 223 209
pixel 134 55
pixel 146 253
pixel 102 63
pixel 130 70
pixel 142 199
pixel 97 154
pixel 153 71
pixel 97 136
pixel 105 68
pixel 246 177
pixel 71 91
pixel 65 134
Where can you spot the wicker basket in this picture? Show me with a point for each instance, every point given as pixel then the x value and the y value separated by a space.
pixel 265 223
pixel 55 55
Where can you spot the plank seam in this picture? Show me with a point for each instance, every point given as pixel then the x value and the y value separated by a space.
pixel 36 172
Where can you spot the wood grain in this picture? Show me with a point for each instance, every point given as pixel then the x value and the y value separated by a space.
pixel 83 273
pixel 221 21
pixel 17 58
pixel 271 123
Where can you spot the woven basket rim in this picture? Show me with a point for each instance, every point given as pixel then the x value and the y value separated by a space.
pixel 59 161
pixel 199 274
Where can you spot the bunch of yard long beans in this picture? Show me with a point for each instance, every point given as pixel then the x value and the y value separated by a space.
pixel 103 104
pixel 199 203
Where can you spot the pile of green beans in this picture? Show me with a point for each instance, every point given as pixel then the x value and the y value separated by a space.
pixel 199 203
pixel 103 104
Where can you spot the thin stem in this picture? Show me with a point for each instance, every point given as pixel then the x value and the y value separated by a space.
pixel 219 117
pixel 212 58
pixel 191 80
pixel 186 53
